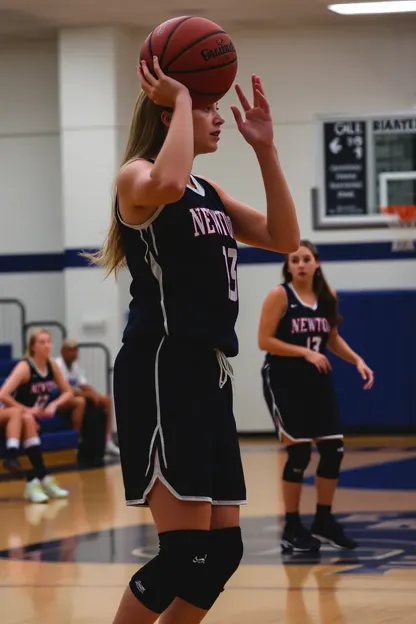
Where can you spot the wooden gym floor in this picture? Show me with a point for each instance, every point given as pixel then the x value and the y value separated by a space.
pixel 69 561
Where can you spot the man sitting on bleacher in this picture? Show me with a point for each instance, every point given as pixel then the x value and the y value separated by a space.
pixel 74 374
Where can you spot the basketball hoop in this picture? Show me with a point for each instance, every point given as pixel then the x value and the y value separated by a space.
pixel 404 218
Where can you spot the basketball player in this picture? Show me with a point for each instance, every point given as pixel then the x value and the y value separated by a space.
pixel 298 323
pixel 11 422
pixel 28 388
pixel 172 379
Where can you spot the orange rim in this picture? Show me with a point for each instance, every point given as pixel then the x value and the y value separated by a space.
pixel 404 212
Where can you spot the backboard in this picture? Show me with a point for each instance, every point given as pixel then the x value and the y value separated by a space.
pixel 364 163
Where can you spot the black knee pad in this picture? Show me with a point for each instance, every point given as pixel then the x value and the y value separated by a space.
pixel 187 556
pixel 299 456
pixel 332 453
pixel 179 570
pixel 152 586
pixel 226 553
pixel 207 559
pixel 193 565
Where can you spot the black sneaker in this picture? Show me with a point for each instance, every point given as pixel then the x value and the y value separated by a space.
pixel 12 465
pixel 329 531
pixel 298 539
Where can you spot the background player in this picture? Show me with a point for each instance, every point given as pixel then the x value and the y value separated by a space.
pixel 28 388
pixel 178 234
pixel 298 323
pixel 12 423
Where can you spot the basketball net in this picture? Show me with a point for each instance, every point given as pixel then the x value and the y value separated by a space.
pixel 404 217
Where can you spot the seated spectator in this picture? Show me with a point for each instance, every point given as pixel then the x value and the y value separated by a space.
pixel 74 374
pixel 11 420
pixel 28 389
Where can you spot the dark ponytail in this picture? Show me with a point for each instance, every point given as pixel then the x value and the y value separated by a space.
pixel 320 286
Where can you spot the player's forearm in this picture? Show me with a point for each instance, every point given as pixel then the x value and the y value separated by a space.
pixel 274 346
pixel 338 346
pixel 173 164
pixel 9 401
pixel 282 222
pixel 63 398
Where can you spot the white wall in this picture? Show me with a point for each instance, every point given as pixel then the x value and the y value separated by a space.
pixel 30 179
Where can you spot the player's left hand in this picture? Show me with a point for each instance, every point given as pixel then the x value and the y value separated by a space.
pixel 49 411
pixel 366 373
pixel 257 127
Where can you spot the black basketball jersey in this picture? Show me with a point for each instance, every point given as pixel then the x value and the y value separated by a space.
pixel 38 389
pixel 302 325
pixel 183 263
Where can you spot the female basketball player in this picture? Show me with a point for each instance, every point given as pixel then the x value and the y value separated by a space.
pixel 172 379
pixel 12 423
pixel 298 323
pixel 28 388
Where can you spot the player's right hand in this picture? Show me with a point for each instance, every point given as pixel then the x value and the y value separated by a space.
pixel 36 411
pixel 162 90
pixel 319 360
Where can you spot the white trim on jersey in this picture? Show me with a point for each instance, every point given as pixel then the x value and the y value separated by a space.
pixel 305 305
pixel 336 436
pixel 157 272
pixel 158 428
pixel 197 188
pixel 277 417
pixel 145 224
pixel 157 474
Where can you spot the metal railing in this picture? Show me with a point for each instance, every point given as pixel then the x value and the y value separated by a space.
pixel 95 357
pixel 12 325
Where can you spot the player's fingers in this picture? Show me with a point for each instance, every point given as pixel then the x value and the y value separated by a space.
pixel 237 116
pixel 262 101
pixel 256 100
pixel 260 85
pixel 158 71
pixel 243 100
pixel 144 84
pixel 147 75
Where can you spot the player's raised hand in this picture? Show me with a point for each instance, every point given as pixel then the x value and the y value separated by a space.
pixel 366 374
pixel 161 89
pixel 257 124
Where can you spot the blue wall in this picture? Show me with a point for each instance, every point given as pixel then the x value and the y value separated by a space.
pixel 381 327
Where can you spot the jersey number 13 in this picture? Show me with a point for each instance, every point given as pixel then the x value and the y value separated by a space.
pixel 230 257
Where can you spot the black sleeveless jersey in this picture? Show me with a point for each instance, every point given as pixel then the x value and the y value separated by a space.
pixel 183 263
pixel 38 389
pixel 302 325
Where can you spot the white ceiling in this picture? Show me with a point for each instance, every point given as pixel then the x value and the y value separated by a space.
pixel 23 17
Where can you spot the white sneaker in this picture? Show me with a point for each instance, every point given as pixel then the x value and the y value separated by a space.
pixel 34 492
pixel 112 449
pixel 52 489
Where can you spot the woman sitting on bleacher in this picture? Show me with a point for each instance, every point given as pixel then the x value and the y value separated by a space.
pixel 28 388
pixel 12 422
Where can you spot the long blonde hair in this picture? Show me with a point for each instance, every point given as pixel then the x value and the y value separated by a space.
pixel 33 338
pixel 146 137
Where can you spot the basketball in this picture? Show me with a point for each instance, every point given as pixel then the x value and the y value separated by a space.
pixel 196 52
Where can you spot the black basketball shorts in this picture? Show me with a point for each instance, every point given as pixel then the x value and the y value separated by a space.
pixel 175 422
pixel 303 406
